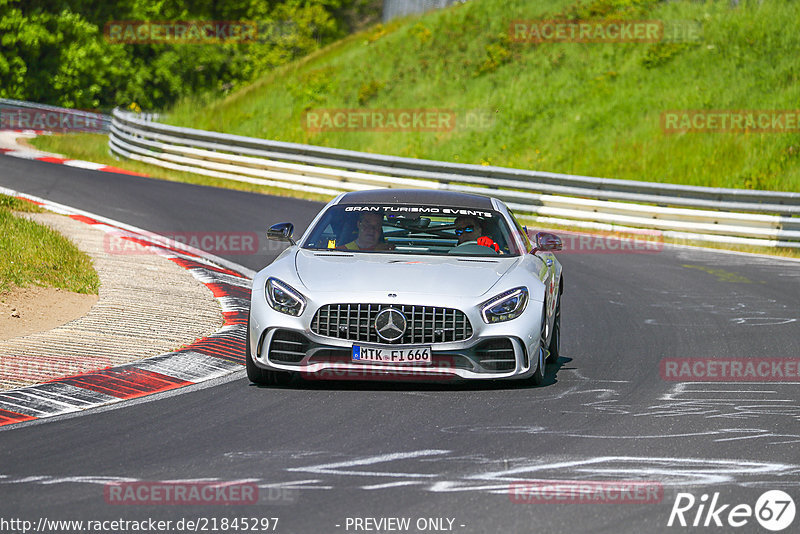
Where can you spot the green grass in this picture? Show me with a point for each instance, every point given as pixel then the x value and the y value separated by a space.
pixel 17 204
pixel 589 109
pixel 33 254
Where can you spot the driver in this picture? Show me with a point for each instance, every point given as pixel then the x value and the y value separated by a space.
pixel 370 233
pixel 468 229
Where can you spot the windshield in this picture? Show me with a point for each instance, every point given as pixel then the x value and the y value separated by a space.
pixel 409 229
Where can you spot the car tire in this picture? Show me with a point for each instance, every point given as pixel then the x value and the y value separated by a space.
pixel 259 376
pixel 554 348
pixel 537 379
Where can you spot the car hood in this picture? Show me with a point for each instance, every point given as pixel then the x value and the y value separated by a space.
pixel 322 271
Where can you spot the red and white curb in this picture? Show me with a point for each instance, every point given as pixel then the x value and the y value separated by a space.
pixel 38 156
pixel 214 356
pixel 29 132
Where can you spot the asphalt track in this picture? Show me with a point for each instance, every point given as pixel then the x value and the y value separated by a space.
pixel 323 452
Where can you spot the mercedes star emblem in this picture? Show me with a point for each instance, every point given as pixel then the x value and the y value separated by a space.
pixel 390 324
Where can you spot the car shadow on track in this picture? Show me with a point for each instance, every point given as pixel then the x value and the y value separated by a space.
pixel 376 383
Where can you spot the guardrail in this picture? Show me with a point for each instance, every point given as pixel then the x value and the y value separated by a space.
pixel 762 218
pixel 50 118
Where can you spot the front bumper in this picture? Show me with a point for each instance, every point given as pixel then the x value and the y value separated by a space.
pixel 505 350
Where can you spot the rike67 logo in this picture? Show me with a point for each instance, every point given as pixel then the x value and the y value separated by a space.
pixel 774 510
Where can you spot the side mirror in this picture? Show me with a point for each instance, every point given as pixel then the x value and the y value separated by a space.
pixel 547 242
pixel 281 232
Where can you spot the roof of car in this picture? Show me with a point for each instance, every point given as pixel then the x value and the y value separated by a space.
pixel 422 197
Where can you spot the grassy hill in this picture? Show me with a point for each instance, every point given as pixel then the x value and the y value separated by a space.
pixel 582 108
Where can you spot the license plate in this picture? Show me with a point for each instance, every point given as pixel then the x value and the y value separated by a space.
pixel 399 355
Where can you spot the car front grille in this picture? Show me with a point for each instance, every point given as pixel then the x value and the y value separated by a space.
pixel 425 324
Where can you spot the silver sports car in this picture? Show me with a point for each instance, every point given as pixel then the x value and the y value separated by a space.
pixel 396 284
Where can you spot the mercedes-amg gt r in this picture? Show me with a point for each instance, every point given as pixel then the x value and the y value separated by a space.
pixel 407 285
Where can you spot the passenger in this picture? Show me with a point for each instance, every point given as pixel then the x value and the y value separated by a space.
pixel 370 233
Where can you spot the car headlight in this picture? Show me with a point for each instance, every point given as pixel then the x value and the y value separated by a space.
pixel 284 298
pixel 505 306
